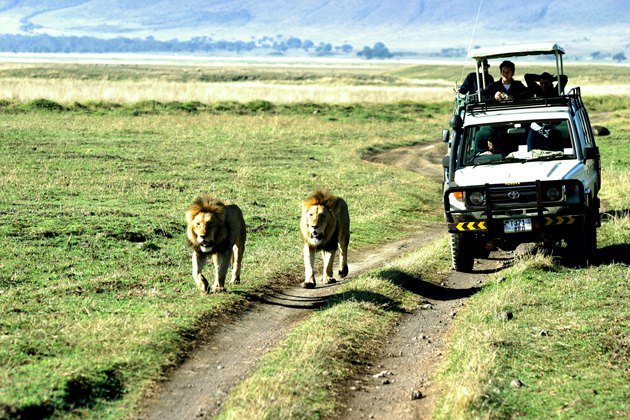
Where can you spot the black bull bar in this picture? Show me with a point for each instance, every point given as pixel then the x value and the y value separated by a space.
pixel 505 198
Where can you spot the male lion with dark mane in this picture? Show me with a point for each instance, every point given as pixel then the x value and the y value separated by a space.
pixel 325 226
pixel 215 229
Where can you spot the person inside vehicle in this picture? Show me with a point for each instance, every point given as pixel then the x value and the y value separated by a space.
pixel 507 88
pixel 541 85
pixel 543 137
pixel 493 146
pixel 470 83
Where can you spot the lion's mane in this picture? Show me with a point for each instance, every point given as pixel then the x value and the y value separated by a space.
pixel 330 202
pixel 208 204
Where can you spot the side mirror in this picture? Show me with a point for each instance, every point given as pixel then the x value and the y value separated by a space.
pixel 445 136
pixel 592 152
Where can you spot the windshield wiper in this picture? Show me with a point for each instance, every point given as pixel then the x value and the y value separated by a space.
pixel 502 160
pixel 549 157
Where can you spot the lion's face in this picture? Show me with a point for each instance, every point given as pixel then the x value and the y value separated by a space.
pixel 204 229
pixel 318 223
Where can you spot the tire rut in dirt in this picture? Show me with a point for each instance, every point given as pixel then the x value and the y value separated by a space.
pixel 400 383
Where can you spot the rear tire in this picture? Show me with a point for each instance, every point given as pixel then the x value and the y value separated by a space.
pixel 462 252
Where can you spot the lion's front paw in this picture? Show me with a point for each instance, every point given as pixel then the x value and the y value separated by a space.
pixel 202 283
pixel 344 271
pixel 218 289
pixel 308 285
pixel 235 281
pixel 329 280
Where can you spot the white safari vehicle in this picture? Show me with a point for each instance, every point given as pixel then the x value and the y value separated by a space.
pixel 541 187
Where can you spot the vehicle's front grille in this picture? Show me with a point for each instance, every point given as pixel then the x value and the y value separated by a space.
pixel 511 195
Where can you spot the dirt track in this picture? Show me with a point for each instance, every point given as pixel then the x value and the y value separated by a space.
pixel 409 358
pixel 399 384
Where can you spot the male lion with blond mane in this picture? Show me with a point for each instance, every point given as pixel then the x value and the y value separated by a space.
pixel 325 226
pixel 215 229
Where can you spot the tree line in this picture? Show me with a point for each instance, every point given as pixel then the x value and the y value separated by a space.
pixel 201 44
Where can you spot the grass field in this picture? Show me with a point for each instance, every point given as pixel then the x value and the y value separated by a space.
pixel 334 83
pixel 96 294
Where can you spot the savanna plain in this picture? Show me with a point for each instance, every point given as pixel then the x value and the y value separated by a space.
pixel 98 164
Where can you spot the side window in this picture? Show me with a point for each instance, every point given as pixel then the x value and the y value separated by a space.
pixel 579 135
pixel 468 149
pixel 565 137
pixel 476 142
pixel 586 129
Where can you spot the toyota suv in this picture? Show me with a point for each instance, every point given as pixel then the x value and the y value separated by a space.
pixel 521 171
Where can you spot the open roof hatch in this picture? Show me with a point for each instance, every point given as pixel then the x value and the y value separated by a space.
pixel 481 54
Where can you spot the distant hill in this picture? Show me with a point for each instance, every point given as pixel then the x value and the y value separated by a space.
pixel 581 26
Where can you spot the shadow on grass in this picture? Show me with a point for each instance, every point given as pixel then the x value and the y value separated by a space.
pixel 612 254
pixel 618 253
pixel 413 284
pixel 300 300
pixel 288 299
pixel 83 391
pixel 616 214
pixel 424 288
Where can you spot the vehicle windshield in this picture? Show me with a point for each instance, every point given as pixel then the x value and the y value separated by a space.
pixel 516 141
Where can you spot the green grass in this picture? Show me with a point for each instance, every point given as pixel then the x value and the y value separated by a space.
pixel 96 292
pixel 405 110
pixel 608 103
pixel 567 344
pixel 377 73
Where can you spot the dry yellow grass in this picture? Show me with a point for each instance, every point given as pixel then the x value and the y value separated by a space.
pixel 614 183
pixel 68 91
pixel 144 78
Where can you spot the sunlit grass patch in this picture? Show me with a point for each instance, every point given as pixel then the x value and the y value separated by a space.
pixel 563 345
pixel 614 186
pixel 69 92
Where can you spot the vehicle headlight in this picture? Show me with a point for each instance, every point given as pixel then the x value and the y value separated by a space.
pixel 476 198
pixel 554 194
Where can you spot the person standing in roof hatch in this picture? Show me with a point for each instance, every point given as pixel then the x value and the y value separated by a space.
pixel 541 85
pixel 470 83
pixel 507 88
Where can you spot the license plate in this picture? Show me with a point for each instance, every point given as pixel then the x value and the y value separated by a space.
pixel 517 225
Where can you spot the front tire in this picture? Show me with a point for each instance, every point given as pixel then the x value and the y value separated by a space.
pixel 462 252
pixel 582 244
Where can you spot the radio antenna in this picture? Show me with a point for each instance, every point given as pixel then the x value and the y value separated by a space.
pixel 472 36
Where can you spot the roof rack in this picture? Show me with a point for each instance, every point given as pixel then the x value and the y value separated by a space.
pixel 575 95
pixel 573 98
